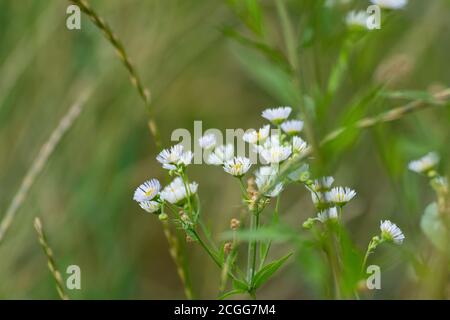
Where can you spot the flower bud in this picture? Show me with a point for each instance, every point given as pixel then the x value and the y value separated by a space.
pixel 163 217
pixel 234 224
pixel 227 247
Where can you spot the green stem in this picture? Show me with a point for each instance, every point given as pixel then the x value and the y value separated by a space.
pixel 252 249
pixel 275 221
pixel 243 189
pixel 188 192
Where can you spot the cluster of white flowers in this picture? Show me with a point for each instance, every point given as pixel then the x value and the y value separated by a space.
pixel 323 195
pixel 274 149
pixel 327 200
pixel 149 194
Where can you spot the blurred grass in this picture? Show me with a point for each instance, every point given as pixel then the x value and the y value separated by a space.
pixel 195 73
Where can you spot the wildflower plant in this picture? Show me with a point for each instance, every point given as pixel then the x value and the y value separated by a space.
pixel 180 199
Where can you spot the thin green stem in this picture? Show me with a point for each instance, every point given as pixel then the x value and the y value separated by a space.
pixel 243 189
pixel 251 265
pixel 207 249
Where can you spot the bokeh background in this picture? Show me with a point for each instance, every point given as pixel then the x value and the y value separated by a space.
pixel 196 72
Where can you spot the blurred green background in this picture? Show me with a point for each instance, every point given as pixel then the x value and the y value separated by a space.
pixel 196 72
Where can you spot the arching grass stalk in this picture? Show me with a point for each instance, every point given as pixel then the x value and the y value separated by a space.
pixel 177 256
pixel 38 164
pixel 50 259
pixel 441 97
pixel 145 95
pixel 143 91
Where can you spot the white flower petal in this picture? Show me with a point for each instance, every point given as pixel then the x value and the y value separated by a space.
pixel 390 232
pixel 147 191
pixel 424 164
pixel 277 115
pixel 237 166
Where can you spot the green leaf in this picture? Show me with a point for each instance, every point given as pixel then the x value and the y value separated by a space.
pixel 250 13
pixel 279 233
pixel 265 273
pixel 432 226
pixel 274 79
pixel 230 293
pixel 270 53
pixel 240 285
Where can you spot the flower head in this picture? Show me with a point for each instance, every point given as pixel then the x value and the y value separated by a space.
pixel 147 191
pixel 299 146
pixel 292 126
pixel 171 158
pixel 328 214
pixel 390 4
pixel 424 164
pixel 357 19
pixel 265 176
pixel 319 198
pixel 175 192
pixel 207 142
pixel 277 115
pixel 252 136
pixel 322 184
pixel 274 153
pixel 340 196
pixel 390 232
pixel 150 206
pixel 238 166
pixel 221 154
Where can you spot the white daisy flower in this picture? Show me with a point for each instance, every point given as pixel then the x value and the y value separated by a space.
pixel 357 19
pixel 176 191
pixel 424 164
pixel 322 184
pixel 390 4
pixel 237 166
pixel 264 176
pixel 207 142
pixel 174 156
pixel 299 145
pixel 252 136
pixel 319 198
pixel 328 214
pixel 150 206
pixel 390 232
pixel 147 191
pixel 275 153
pixel 340 195
pixel 292 126
pixel 221 154
pixel 277 115
pixel 276 190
